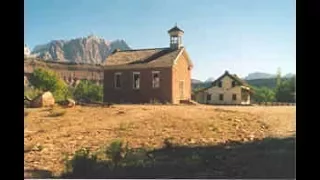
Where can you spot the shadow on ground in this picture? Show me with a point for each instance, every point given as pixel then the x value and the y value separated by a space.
pixel 267 158
pixel 36 173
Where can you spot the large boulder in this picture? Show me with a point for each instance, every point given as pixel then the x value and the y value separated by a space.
pixel 46 99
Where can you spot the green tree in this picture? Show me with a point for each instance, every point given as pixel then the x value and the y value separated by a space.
pixel 88 90
pixel 264 94
pixel 279 80
pixel 48 80
pixel 285 91
pixel 285 88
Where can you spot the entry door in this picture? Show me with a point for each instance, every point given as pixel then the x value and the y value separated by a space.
pixel 181 89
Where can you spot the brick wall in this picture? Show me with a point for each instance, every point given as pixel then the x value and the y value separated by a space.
pixel 126 94
pixel 181 72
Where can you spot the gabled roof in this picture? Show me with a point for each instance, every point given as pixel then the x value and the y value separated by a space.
pixel 234 77
pixel 143 58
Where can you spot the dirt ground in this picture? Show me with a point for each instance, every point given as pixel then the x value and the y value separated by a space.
pixel 51 135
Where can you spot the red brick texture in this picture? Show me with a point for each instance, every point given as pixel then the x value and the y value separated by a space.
pixel 146 93
pixel 181 72
pixel 167 92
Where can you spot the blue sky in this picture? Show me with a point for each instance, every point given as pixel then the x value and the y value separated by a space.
pixel 241 36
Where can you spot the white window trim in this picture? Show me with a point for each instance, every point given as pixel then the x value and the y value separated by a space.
pixel 135 73
pixel 155 72
pixel 115 80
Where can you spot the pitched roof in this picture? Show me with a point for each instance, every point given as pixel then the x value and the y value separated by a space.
pixel 141 58
pixel 175 28
pixel 234 77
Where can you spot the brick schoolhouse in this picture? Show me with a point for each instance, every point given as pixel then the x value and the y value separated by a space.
pixel 144 75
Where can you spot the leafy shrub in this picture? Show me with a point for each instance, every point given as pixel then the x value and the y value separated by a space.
pixel 264 94
pixel 88 90
pixel 82 163
pixel 31 92
pixel 116 151
pixel 48 80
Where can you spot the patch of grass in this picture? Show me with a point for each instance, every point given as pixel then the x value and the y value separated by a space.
pixel 82 163
pixel 116 151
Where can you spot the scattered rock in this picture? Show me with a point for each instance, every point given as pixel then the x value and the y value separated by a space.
pixel 238 120
pixel 120 112
pixel 192 141
pixel 68 103
pixel 37 147
pixel 71 102
pixel 251 137
pixel 204 140
pixel 46 99
pixel 244 140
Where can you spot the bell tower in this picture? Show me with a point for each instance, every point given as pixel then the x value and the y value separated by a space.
pixel 175 37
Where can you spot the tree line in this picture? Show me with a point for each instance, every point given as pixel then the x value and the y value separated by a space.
pixel 283 92
pixel 47 80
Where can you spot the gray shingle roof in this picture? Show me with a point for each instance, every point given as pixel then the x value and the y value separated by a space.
pixel 156 57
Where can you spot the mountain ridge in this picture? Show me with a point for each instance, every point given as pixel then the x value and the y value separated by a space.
pixel 262 75
pixel 90 49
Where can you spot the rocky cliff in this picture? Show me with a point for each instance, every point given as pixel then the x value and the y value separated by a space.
pixel 91 49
